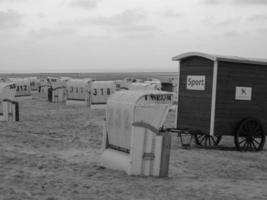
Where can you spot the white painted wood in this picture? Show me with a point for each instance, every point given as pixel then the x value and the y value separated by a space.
pixel 213 98
pixel 5 110
pixel 59 95
pixel 164 115
pixel 125 108
pixel 178 86
pixel 116 160
pixel 9 115
pixel 136 151
pixel 158 147
pixel 101 90
pixel 79 90
pixel 104 139
pixel 148 141
pixel 9 111
pixel 13 112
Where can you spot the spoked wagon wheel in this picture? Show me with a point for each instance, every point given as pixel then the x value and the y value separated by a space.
pixel 205 140
pixel 250 135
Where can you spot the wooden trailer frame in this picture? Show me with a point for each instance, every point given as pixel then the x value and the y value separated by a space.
pixel 221 95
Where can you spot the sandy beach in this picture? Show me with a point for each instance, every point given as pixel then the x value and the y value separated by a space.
pixel 53 153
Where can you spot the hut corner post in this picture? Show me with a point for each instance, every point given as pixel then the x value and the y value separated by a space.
pixel 177 96
pixel 165 155
pixel 213 100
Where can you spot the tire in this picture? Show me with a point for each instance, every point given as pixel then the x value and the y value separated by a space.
pixel 205 140
pixel 249 135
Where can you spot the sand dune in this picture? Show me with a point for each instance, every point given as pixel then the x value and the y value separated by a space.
pixel 53 153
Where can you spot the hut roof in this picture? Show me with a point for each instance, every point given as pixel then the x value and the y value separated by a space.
pixel 215 57
pixel 78 82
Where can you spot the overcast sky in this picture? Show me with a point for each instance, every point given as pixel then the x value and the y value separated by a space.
pixel 125 35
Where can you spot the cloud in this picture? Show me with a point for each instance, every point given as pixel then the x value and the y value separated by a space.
pixel 45 33
pixel 127 21
pixel 237 2
pixel 262 31
pixel 231 34
pixel 128 17
pixel 172 14
pixel 86 4
pixel 251 2
pixel 225 22
pixel 12 1
pixel 212 2
pixel 258 18
pixel 10 19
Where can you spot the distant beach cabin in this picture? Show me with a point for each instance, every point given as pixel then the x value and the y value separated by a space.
pixel 44 85
pixel 143 86
pixel 7 91
pixel 155 82
pixel 79 92
pixel 34 83
pixel 52 80
pixel 23 88
pixel 8 107
pixel 101 90
pixel 124 84
pixel 57 92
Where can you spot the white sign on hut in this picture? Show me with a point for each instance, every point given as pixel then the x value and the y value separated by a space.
pixel 132 139
pixel 9 109
pixel 101 90
pixel 79 92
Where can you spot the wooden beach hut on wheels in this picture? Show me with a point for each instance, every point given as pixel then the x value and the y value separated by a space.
pixel 223 95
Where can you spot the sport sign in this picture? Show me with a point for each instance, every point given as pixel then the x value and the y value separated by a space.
pixel 195 82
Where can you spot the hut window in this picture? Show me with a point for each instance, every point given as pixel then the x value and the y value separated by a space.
pixel 108 91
